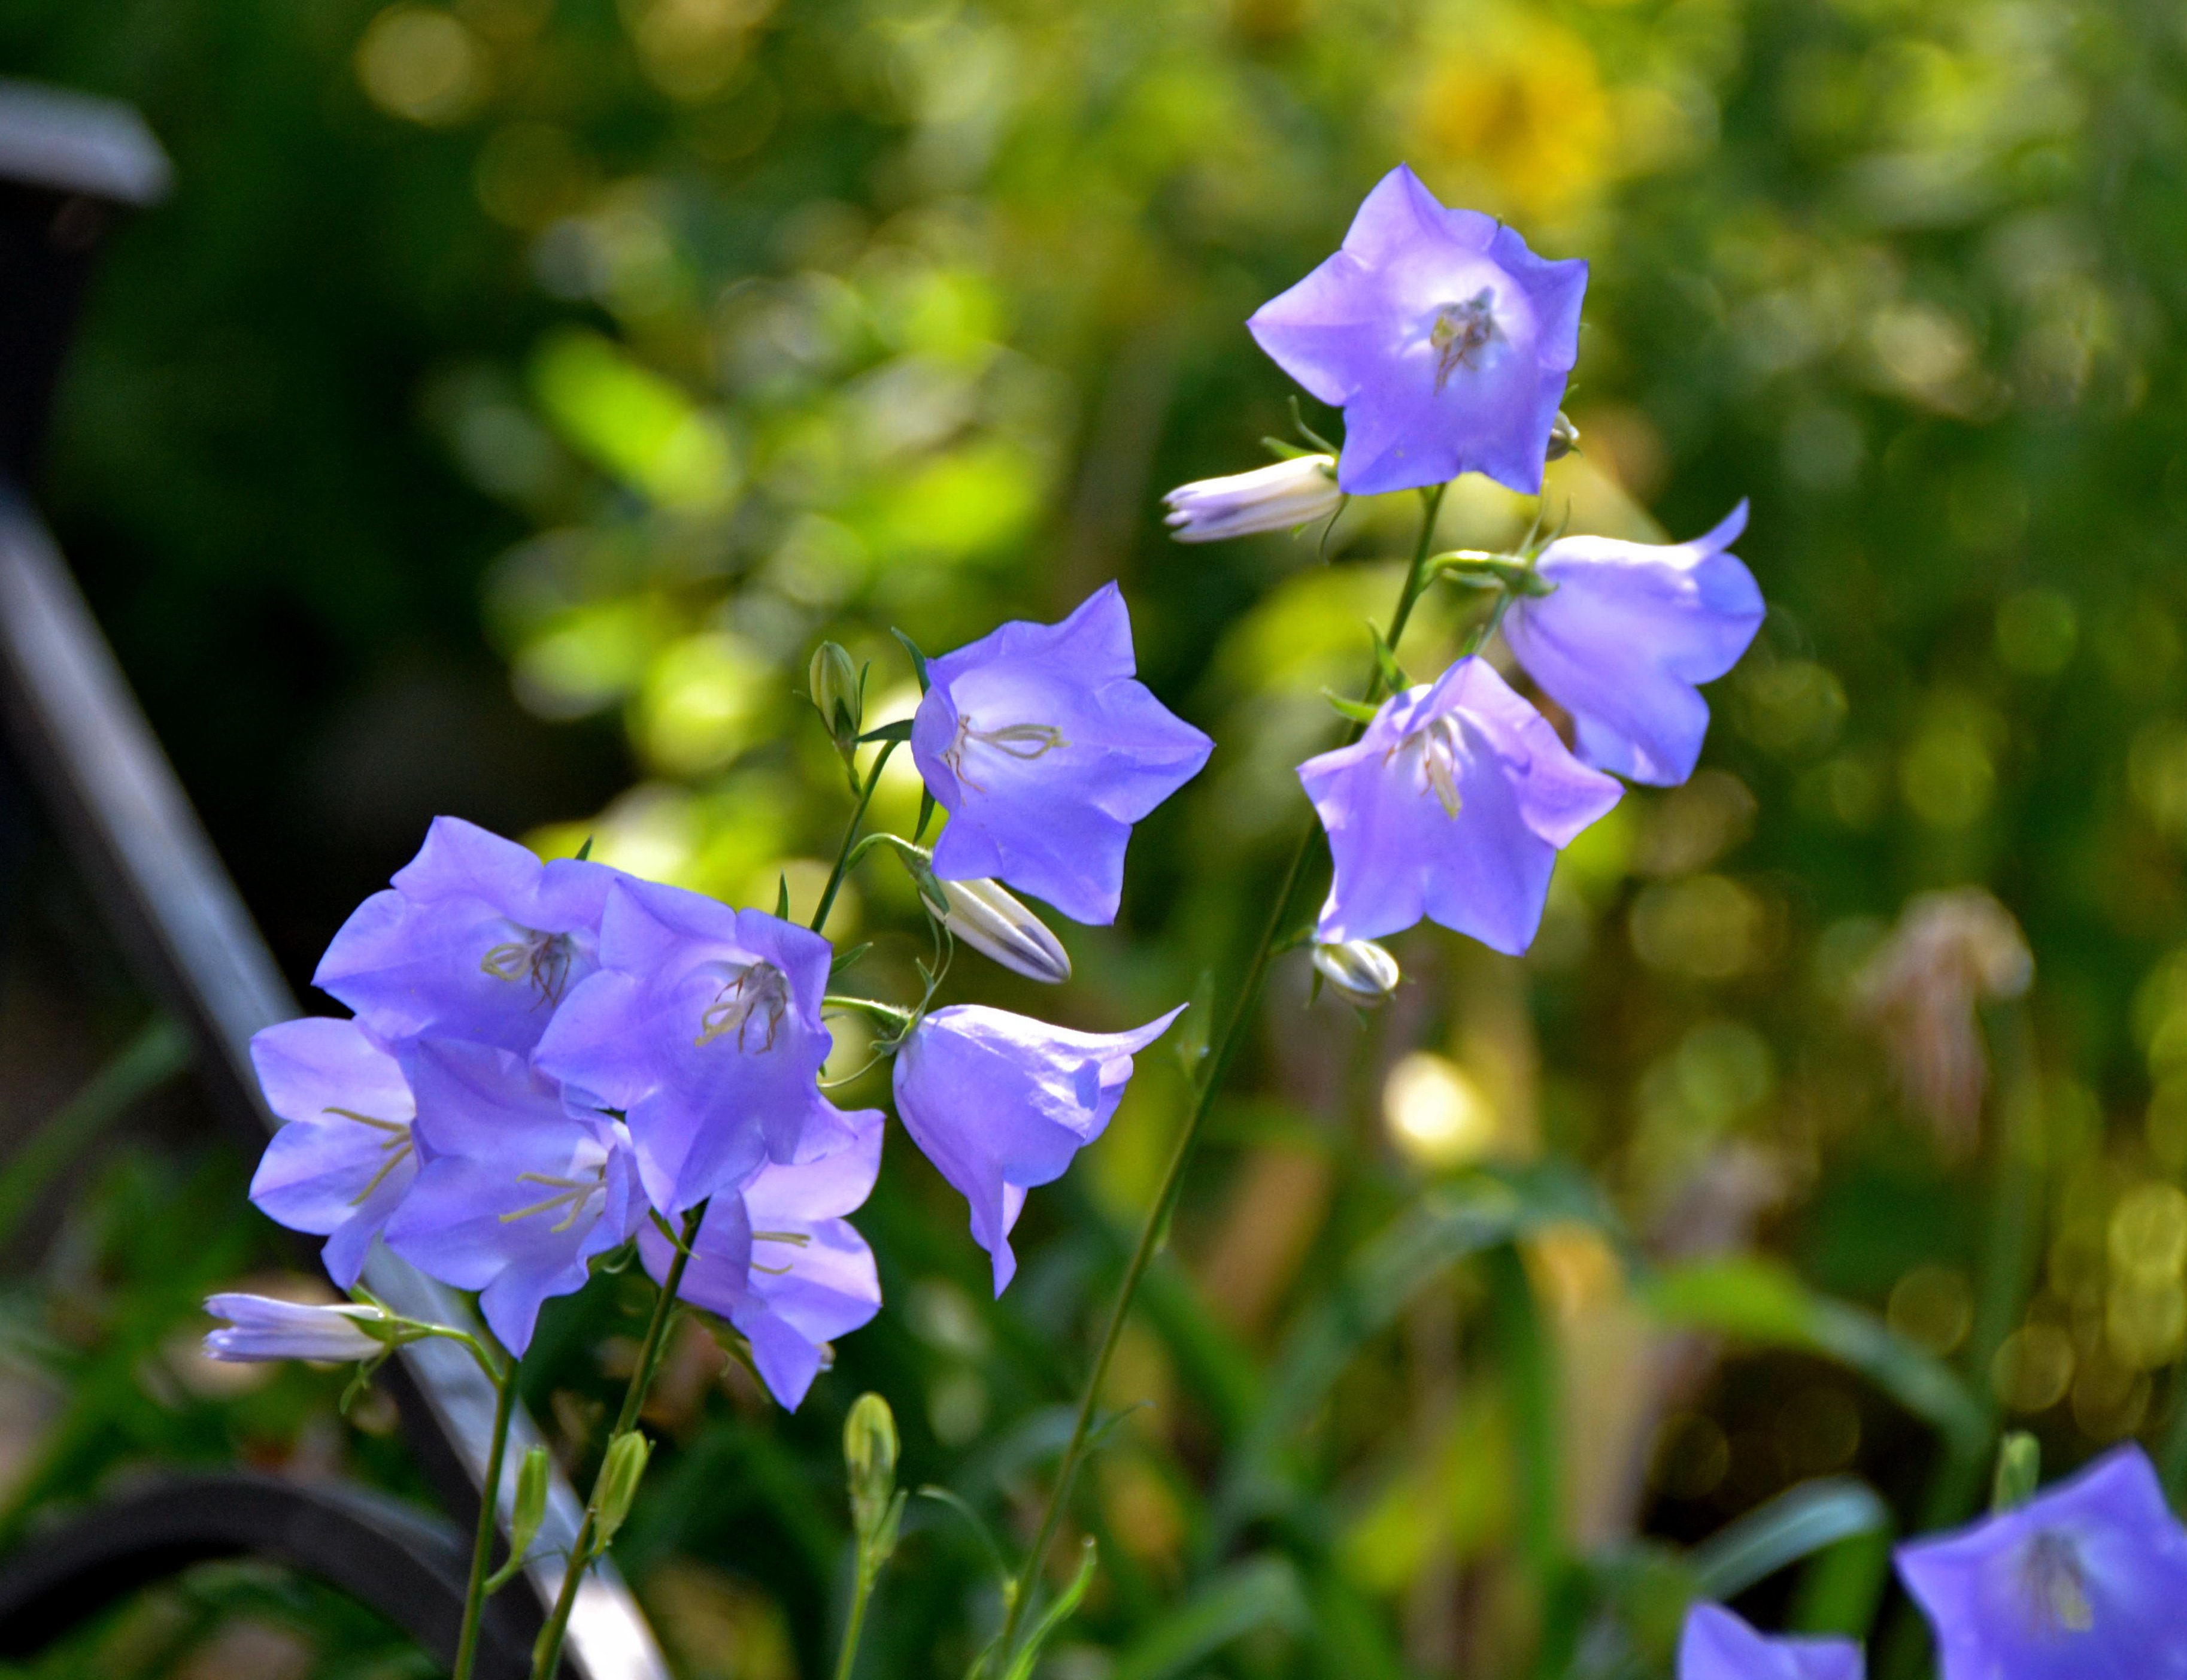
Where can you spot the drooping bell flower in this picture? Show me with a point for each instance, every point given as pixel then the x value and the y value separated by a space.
pixel 347 1156
pixel 778 1259
pixel 518 1193
pixel 1454 805
pixel 260 1328
pixel 1443 339
pixel 1717 1645
pixel 703 1027
pixel 1628 631
pixel 1000 1103
pixel 2085 1582
pixel 1281 497
pixel 476 938
pixel 1044 750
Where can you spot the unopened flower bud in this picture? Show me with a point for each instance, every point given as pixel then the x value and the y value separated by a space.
pixel 620 1474
pixel 993 922
pixel 531 1506
pixel 1359 971
pixel 1278 497
pixel 1564 436
pixel 832 682
pixel 260 1328
pixel 869 1450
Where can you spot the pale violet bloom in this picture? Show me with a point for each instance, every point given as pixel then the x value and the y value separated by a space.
pixel 1000 1103
pixel 347 1158
pixel 260 1328
pixel 1717 1645
pixel 518 1193
pixel 1454 805
pixel 1044 750
pixel 1444 340
pixel 778 1259
pixel 1278 497
pixel 2085 1582
pixel 477 939
pixel 703 1027
pixel 1628 631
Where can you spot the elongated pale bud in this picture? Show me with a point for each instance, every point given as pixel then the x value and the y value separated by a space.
pixel 531 1508
pixel 992 921
pixel 838 694
pixel 260 1328
pixel 1564 436
pixel 1278 497
pixel 1359 971
pixel 620 1474
pixel 869 1450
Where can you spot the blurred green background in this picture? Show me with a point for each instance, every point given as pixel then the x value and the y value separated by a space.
pixel 514 391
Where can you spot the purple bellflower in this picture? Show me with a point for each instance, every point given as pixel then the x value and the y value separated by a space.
pixel 1717 1645
pixel 2085 1582
pixel 347 1156
pixel 1001 1102
pixel 703 1027
pixel 260 1328
pixel 1629 630
pixel 778 1259
pixel 518 1193
pixel 477 939
pixel 1454 805
pixel 1044 750
pixel 1443 339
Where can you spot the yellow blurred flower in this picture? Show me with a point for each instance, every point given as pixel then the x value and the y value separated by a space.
pixel 1513 115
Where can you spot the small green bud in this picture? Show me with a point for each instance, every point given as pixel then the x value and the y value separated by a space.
pixel 620 1474
pixel 2019 1468
pixel 869 1449
pixel 1359 971
pixel 837 695
pixel 1564 436
pixel 531 1509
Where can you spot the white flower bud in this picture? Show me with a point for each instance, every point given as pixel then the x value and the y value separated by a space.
pixel 992 921
pixel 1564 436
pixel 1278 497
pixel 1359 971
pixel 260 1328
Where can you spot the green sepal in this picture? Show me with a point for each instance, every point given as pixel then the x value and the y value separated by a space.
pixel 925 814
pixel 782 897
pixel 585 851
pixel 1386 661
pixel 1299 425
pixel 1286 452
pixel 898 731
pixel 1357 711
pixel 846 960
pixel 917 658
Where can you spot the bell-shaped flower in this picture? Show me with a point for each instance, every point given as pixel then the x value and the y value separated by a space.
pixel 518 1192
pixel 347 1156
pixel 1454 805
pixel 1443 339
pixel 477 939
pixel 777 1258
pixel 703 1027
pixel 1717 1645
pixel 2085 1582
pixel 1281 497
pixel 1628 631
pixel 1000 1103
pixel 260 1328
pixel 1044 750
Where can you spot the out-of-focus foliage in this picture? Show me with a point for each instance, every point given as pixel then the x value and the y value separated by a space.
pixel 749 323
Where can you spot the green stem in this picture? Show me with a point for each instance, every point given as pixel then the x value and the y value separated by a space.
pixel 860 1593
pixel 1223 1046
pixel 850 835
pixel 489 1500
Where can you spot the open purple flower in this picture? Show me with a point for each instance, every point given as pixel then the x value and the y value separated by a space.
pixel 518 1193
pixel 2085 1582
pixel 1444 340
pixel 478 939
pixel 1717 1645
pixel 347 1158
pixel 778 1261
pixel 703 1027
pixel 1001 1102
pixel 1629 630
pixel 1044 750
pixel 1454 805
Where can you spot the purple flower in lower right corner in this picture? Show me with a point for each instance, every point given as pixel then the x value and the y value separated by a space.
pixel 1001 1102
pixel 1717 1645
pixel 2085 1582
pixel 1452 805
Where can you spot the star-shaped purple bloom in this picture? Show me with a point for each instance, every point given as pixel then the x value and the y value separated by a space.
pixel 1717 1645
pixel 477 939
pixel 348 1157
pixel 518 1193
pixel 1629 630
pixel 1001 1102
pixel 1443 339
pixel 1044 750
pixel 703 1027
pixel 2085 1582
pixel 1454 805
pixel 778 1261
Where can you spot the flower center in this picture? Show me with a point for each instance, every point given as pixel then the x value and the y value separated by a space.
pixel 758 992
pixel 1442 751
pixel 2053 1587
pixel 1460 331
pixel 395 1145
pixel 570 1193
pixel 1023 741
pixel 542 959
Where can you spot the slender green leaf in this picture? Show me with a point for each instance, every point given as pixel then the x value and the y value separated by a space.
pixel 1796 1524
pixel 1020 1666
pixel 1258 1593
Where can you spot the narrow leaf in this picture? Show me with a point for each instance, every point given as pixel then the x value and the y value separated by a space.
pixel 1357 711
pixel 917 658
pixel 1796 1524
pixel 898 731
pixel 1020 1666
pixel 1386 661
pixel 1260 1592
pixel 782 897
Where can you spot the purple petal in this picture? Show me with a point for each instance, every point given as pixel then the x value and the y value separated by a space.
pixel 1717 1645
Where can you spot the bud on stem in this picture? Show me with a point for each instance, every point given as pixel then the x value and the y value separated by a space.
pixel 993 922
pixel 838 691
pixel 1359 971
pixel 620 1474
